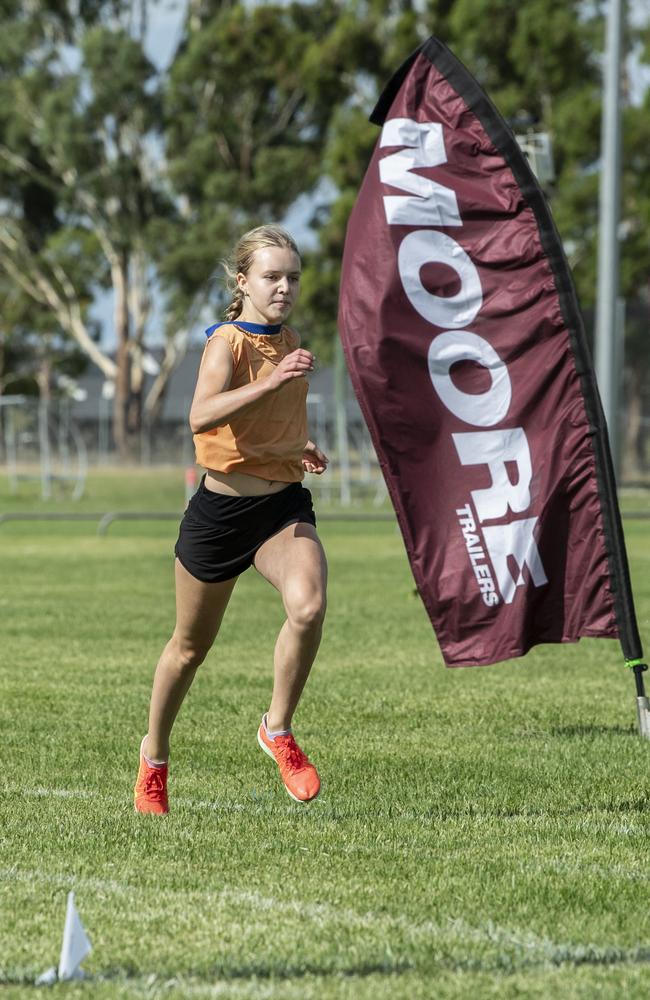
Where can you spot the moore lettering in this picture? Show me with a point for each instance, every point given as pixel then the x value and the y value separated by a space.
pixel 426 204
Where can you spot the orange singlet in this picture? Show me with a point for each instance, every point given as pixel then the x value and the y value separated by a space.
pixel 268 439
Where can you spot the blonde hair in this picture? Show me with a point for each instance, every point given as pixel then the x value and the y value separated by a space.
pixel 241 260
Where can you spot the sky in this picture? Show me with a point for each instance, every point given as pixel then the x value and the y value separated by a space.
pixel 639 14
pixel 165 23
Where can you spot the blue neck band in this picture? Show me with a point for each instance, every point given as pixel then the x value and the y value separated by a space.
pixel 261 329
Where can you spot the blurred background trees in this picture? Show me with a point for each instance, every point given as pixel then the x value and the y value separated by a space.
pixel 131 179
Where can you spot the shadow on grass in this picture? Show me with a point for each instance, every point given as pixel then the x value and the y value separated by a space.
pixel 503 964
pixel 576 957
pixel 265 971
pixel 408 812
pixel 594 730
pixel 251 971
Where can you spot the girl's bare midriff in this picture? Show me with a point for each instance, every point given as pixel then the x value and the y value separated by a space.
pixel 239 484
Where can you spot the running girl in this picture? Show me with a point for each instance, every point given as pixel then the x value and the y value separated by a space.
pixel 249 419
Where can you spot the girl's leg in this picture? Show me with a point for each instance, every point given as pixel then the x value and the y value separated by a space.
pixel 199 611
pixel 294 562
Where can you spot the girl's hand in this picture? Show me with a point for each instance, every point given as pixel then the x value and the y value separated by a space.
pixel 313 459
pixel 296 365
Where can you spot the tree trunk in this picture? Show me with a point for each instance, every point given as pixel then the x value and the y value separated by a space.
pixel 134 404
pixel 123 377
pixel 139 307
pixel 44 378
pixel 175 350
pixel 2 361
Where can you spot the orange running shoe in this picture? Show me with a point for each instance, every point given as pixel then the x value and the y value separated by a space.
pixel 299 775
pixel 150 792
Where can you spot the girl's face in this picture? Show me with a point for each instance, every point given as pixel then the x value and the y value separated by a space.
pixel 271 285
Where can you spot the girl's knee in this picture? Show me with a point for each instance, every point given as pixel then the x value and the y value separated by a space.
pixel 306 612
pixel 188 653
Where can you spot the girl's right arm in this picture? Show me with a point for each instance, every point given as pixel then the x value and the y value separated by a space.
pixel 215 403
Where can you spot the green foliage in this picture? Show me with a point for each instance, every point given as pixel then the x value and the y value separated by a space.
pixel 247 108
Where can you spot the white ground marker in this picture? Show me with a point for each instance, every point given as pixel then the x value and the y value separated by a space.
pixel 74 948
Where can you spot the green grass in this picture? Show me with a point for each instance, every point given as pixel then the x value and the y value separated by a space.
pixel 480 833
pixel 163 489
pixel 107 489
pixel 145 488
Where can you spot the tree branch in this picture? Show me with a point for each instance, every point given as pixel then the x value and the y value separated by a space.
pixel 283 119
pixel 175 350
pixel 22 266
pixel 20 163
pixel 224 149
pixel 21 279
pixel 69 176
pixel 138 295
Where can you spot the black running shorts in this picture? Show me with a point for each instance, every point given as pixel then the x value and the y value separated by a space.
pixel 220 534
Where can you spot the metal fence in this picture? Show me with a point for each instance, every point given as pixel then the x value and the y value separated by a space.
pixel 44 441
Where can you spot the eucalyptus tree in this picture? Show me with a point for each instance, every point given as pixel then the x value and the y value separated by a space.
pixel 81 177
pixel 23 198
pixel 149 176
pixel 249 102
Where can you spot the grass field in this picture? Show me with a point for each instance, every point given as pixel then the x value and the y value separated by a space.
pixel 480 833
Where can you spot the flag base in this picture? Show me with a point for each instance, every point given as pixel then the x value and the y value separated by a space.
pixel 643 715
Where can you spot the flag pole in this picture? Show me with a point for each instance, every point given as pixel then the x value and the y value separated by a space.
pixel 608 330
pixel 642 703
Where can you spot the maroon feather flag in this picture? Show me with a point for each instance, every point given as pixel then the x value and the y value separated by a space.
pixel 467 353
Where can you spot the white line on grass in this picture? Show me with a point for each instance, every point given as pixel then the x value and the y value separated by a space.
pixel 59 793
pixel 84 793
pixel 295 988
pixel 72 881
pixel 516 948
pixel 594 869
pixel 259 802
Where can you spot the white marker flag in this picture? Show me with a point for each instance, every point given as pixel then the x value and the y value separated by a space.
pixel 75 944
